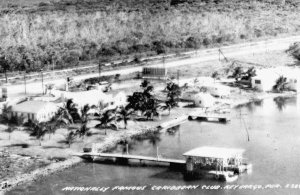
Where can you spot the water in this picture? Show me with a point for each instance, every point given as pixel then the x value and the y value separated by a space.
pixel 273 149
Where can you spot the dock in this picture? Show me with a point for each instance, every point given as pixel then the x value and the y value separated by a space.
pixel 173 122
pixel 125 157
pixel 223 118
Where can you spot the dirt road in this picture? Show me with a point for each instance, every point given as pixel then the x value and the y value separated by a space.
pixel 195 57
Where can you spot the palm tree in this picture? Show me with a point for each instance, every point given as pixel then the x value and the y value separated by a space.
pixel 67 114
pixel 63 117
pixel 71 107
pixel 37 130
pixel 106 119
pixel 173 90
pixel 124 115
pixel 151 108
pixel 70 138
pixel 84 113
pixel 81 130
pixel 173 93
pixel 169 104
pixel 280 84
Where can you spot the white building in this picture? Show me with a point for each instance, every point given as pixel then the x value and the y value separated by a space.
pixel 39 111
pixel 293 77
pixel 217 90
pixel 203 100
pixel 265 79
pixel 92 97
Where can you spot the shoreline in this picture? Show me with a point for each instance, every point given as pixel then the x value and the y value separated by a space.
pixel 109 143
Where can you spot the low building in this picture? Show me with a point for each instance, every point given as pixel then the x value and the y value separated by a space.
pixel 92 97
pixel 204 100
pixel 39 111
pixel 265 79
pixel 293 77
pixel 154 73
pixel 216 90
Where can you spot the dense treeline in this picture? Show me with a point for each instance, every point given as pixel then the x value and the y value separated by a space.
pixel 58 39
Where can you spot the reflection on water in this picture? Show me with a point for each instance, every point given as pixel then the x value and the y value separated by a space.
pixel 251 106
pixel 273 149
pixel 281 102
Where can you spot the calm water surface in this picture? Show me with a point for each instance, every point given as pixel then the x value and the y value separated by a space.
pixel 273 149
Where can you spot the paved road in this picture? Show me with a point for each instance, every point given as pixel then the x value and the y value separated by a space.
pixel 196 58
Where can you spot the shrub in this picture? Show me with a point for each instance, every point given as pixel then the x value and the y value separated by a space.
pixel 207 41
pixel 192 42
pixel 159 47
pixel 294 50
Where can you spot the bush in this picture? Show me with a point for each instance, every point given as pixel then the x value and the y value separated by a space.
pixel 107 51
pixel 207 41
pixel 95 80
pixel 159 47
pixel 294 50
pixel 192 42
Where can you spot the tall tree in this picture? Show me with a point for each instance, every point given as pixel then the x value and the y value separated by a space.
pixel 72 109
pixel 124 115
pixel 70 138
pixel 67 114
pixel 85 113
pixel 106 120
pixel 37 130
pixel 4 67
pixel 280 84
pixel 173 94
pixel 6 119
pixel 144 101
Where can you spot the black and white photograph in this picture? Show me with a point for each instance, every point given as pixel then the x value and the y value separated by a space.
pixel 149 97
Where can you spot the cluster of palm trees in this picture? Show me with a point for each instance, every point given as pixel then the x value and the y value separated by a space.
pixel 77 121
pixel 144 102
pixel 173 94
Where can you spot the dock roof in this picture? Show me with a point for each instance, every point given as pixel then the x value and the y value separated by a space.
pixel 214 152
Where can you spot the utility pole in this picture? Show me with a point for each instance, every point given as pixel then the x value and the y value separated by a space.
pixel 99 69
pixel 178 77
pixel 25 82
pixel 42 81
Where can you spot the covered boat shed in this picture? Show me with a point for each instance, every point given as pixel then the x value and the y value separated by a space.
pixel 220 160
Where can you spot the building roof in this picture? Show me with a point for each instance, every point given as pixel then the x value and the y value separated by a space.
pixel 214 152
pixel 31 106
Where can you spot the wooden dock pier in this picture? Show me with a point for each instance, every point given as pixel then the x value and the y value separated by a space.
pixel 125 157
pixel 223 118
